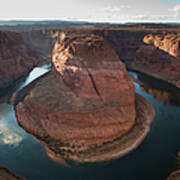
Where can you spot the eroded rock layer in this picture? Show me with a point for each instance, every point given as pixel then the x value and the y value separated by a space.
pixel 159 56
pixel 110 150
pixel 168 42
pixel 15 58
pixel 87 99
pixel 152 49
pixel 125 41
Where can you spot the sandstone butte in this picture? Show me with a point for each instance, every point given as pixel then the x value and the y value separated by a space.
pixel 159 56
pixel 15 58
pixel 85 109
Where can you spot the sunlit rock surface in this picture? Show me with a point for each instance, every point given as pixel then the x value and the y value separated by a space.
pixel 168 42
pixel 149 48
pixel 159 56
pixel 85 107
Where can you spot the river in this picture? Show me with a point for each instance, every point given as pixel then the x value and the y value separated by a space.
pixel 154 159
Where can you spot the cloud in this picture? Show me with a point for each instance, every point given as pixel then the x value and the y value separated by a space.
pixel 176 10
pixel 126 13
pixel 145 17
pixel 138 18
pixel 9 134
pixel 112 9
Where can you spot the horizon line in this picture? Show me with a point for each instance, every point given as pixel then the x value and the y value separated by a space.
pixel 84 20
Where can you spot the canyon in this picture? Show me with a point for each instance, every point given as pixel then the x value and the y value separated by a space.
pixel 153 50
pixel 86 97
pixel 88 89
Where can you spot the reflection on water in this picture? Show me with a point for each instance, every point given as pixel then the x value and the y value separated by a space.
pixel 154 159
pixel 34 74
pixel 6 93
pixel 58 159
pixel 10 134
pixel 7 136
pixel 160 90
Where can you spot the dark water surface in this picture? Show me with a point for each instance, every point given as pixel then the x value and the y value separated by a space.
pixel 153 160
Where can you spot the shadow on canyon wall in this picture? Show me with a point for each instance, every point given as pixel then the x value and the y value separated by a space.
pixel 158 61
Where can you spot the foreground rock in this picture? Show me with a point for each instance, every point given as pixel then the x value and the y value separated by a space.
pixel 15 58
pixel 84 109
pixel 6 174
pixel 159 56
pixel 174 176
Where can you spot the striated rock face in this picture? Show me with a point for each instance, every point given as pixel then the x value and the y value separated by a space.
pixel 15 59
pixel 86 101
pixel 89 86
pixel 159 56
pixel 151 49
pixel 124 42
pixel 40 41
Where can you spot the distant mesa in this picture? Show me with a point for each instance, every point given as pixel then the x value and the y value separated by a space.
pixel 85 109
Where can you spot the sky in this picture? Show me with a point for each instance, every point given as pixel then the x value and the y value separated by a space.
pixel 119 11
